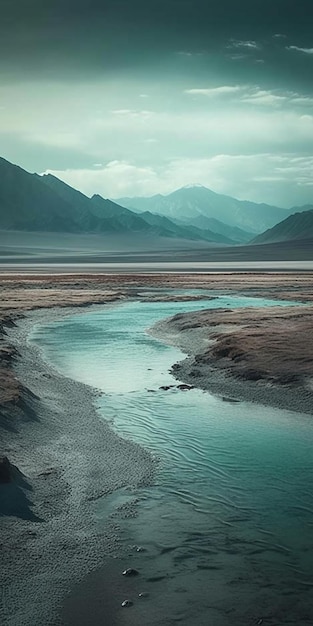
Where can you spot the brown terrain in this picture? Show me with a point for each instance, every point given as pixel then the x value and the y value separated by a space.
pixel 271 344
pixel 275 345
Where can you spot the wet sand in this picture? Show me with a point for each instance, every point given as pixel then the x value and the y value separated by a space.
pixel 67 458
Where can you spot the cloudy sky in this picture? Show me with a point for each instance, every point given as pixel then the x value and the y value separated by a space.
pixel 137 97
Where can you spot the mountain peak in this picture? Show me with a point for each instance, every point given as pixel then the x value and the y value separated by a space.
pixel 193 186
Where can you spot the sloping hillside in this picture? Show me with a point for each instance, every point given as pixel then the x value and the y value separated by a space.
pixel 27 204
pixel 183 230
pixel 234 233
pixel 296 227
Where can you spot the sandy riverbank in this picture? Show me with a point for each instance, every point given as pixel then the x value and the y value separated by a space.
pixel 69 458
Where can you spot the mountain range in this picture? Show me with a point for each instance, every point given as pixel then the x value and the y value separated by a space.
pixel 198 206
pixel 34 203
pixel 31 202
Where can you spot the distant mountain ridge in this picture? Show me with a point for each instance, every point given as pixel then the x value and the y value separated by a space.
pixel 232 232
pixel 94 213
pixel 298 226
pixel 29 202
pixel 192 202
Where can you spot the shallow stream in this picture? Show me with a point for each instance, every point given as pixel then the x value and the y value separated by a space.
pixel 227 528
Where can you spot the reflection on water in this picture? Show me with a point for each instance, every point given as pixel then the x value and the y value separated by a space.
pixel 228 525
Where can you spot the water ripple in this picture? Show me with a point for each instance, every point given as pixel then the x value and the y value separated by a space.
pixel 231 513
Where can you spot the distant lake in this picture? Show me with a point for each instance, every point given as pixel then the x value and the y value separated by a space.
pixel 149 267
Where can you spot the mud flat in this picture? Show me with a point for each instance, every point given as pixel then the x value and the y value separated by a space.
pixel 27 291
pixel 259 355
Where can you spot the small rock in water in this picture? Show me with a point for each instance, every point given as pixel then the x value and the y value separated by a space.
pixel 127 603
pixel 140 549
pixel 185 387
pixel 166 387
pixel 226 399
pixel 130 572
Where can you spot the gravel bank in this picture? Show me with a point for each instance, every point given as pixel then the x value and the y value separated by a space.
pixel 68 458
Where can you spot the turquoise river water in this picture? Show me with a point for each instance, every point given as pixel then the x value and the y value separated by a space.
pixel 227 527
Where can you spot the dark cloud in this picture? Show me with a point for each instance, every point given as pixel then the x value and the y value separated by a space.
pixel 75 36
pixel 161 93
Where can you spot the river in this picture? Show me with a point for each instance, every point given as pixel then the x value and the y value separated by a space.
pixel 226 529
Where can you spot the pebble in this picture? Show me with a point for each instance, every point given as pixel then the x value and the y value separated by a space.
pixel 127 603
pixel 185 387
pixel 140 549
pixel 130 572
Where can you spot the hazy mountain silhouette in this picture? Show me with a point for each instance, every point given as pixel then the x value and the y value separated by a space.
pixel 174 227
pixel 29 202
pixel 298 226
pixel 192 202
pixel 230 232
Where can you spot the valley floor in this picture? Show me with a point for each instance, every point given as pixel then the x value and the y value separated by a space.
pixel 262 355
pixel 279 341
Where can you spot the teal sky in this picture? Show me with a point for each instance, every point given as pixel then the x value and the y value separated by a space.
pixel 136 98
